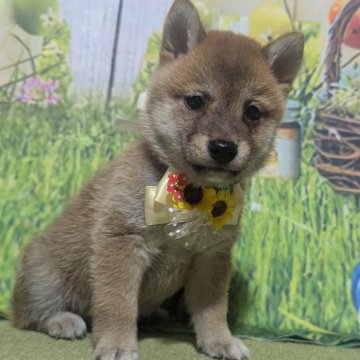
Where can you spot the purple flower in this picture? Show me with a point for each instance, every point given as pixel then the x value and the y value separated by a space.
pixel 51 100
pixel 50 86
pixel 35 90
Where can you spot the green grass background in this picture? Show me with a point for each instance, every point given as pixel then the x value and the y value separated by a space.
pixel 294 261
pixel 46 155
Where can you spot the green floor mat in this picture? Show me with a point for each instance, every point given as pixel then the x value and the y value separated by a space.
pixel 27 345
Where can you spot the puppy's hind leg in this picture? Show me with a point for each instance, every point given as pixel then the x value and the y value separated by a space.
pixel 63 325
pixel 38 301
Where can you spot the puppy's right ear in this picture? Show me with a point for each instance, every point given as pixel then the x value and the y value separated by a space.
pixel 183 30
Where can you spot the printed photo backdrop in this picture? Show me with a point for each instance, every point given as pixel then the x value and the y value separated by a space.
pixel 70 88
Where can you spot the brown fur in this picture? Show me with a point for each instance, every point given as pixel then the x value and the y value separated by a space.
pixel 99 259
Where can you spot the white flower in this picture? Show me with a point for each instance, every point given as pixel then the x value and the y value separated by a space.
pixel 254 206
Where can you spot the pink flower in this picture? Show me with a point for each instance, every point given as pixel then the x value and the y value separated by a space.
pixel 51 99
pixel 35 90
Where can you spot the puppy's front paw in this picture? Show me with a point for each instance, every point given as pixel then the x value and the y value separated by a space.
pixel 116 354
pixel 65 325
pixel 233 349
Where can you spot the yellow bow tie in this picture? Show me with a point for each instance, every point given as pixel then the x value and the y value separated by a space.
pixel 175 200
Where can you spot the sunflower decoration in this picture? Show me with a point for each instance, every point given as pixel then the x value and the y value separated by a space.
pixel 185 195
pixel 219 205
pixel 220 208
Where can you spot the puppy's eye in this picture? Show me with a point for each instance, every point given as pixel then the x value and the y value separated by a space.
pixel 253 112
pixel 194 102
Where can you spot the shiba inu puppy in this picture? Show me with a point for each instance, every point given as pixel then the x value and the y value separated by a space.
pixel 213 107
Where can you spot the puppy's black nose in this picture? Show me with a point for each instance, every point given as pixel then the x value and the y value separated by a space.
pixel 222 151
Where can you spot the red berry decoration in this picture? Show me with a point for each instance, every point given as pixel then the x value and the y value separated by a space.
pixel 182 179
pixel 175 186
pixel 170 188
pixel 172 178
pixel 178 195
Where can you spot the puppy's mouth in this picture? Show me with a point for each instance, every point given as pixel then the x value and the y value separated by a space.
pixel 201 169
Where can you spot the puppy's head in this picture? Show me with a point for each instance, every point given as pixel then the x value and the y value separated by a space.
pixel 216 99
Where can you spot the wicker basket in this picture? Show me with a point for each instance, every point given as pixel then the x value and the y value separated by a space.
pixel 337 139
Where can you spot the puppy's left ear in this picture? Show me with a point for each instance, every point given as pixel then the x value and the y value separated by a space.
pixel 284 56
pixel 183 31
